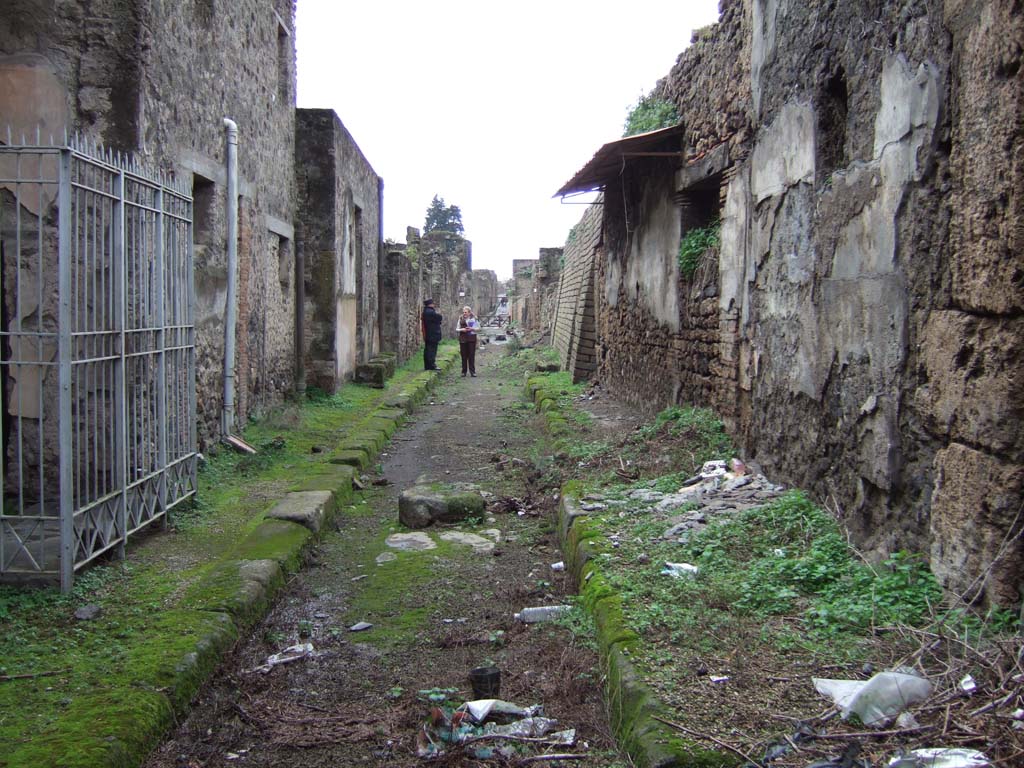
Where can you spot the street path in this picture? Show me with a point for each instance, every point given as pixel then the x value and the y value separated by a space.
pixel 436 613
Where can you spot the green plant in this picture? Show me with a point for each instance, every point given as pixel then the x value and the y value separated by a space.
pixel 436 695
pixel 649 114
pixel 694 244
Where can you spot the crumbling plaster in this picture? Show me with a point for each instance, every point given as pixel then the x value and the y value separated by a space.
pixel 870 270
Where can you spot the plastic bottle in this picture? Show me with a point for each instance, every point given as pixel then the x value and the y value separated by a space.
pixel 541 613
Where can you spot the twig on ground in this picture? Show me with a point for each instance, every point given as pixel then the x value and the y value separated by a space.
pixel 30 675
pixel 543 758
pixel 873 734
pixel 709 737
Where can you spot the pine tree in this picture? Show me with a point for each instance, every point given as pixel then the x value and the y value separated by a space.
pixel 443 218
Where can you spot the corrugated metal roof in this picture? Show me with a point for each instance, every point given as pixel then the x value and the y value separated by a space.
pixel 607 162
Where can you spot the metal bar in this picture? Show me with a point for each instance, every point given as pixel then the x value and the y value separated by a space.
pixel 161 360
pixel 17 329
pixel 67 565
pixel 118 279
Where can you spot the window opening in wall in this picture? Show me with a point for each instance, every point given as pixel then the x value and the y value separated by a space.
pixel 203 206
pixel 833 108
pixel 285 263
pixel 700 214
pixel 283 62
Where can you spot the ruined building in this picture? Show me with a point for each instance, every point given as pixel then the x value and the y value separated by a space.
pixel 859 323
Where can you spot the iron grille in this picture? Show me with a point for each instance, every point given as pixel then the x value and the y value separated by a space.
pixel 97 355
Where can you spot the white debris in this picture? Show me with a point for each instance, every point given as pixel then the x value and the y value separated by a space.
pixel 879 699
pixel 941 757
pixel 287 656
pixel 679 570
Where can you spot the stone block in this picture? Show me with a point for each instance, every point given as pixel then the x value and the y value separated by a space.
pixel 372 375
pixel 353 457
pixel 336 478
pixel 975 503
pixel 388 362
pixel 307 508
pixel 974 393
pixel 427 503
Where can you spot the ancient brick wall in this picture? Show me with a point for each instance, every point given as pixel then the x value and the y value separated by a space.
pixel 658 327
pixel 339 212
pixel 861 326
pixel 573 325
pixel 157 80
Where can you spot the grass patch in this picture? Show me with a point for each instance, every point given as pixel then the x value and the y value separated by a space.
pixel 141 633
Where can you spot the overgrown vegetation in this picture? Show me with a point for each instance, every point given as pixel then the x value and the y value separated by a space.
pixel 778 594
pixel 694 244
pixel 59 665
pixel 650 113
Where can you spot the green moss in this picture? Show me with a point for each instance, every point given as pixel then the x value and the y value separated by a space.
pixel 105 729
pixel 336 478
pixel 277 540
pixel 120 677
pixel 353 457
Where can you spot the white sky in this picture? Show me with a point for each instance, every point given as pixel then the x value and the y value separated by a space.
pixel 492 107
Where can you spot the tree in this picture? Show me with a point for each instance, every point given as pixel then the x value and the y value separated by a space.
pixel 443 218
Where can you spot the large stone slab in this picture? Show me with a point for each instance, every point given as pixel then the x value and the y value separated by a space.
pixel 427 503
pixel 307 508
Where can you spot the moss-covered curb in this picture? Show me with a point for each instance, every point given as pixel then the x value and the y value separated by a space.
pixel 116 726
pixel 544 396
pixel 632 706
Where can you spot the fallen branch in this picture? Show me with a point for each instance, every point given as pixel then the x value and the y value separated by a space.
pixel 873 734
pixel 30 675
pixel 544 758
pixel 709 737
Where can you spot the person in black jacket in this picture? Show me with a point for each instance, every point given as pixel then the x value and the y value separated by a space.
pixel 430 325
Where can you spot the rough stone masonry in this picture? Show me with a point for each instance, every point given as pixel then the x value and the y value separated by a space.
pixel 860 324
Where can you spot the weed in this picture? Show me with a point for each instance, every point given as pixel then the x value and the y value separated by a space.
pixel 694 244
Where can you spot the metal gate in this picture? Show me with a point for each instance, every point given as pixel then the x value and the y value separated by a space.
pixel 97 356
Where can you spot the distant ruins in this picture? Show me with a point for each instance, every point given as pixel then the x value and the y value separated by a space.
pixel 860 324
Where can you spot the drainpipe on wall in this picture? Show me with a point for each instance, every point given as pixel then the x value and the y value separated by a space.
pixel 228 416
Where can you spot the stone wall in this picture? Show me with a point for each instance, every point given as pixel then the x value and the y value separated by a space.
pixel 651 317
pixel 339 214
pixel 438 265
pixel 573 326
pixel 484 292
pixel 860 327
pixel 157 80
pixel 401 302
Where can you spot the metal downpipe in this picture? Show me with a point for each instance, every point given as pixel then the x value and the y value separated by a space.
pixel 230 311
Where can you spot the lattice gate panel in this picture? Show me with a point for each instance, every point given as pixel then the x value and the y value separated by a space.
pixel 97 361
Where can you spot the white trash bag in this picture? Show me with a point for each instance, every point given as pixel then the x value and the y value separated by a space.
pixel 877 700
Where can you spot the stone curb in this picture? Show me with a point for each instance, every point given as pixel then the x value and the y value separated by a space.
pixel 238 591
pixel 631 703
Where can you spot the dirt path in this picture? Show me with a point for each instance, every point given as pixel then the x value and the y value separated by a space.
pixel 436 612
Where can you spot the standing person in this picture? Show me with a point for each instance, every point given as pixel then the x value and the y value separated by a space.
pixel 467 328
pixel 430 326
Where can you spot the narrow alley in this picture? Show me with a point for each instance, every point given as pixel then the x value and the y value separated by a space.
pixel 440 603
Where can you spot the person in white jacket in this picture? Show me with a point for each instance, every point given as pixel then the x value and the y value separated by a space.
pixel 467 328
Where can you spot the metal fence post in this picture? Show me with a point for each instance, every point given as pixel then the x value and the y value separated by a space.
pixel 161 355
pixel 119 272
pixel 64 352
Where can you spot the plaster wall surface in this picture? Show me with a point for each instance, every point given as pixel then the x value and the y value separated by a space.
pixel 864 329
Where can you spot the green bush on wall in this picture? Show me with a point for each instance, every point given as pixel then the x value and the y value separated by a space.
pixel 694 244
